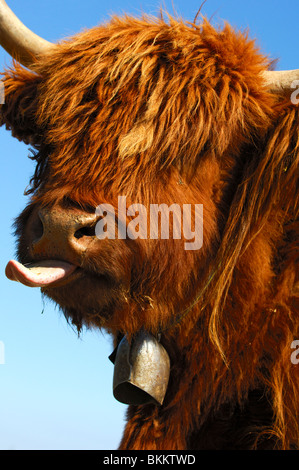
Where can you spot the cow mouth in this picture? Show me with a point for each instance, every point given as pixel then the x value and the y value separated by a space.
pixel 45 273
pixel 86 293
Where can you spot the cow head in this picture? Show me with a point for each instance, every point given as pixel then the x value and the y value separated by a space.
pixel 155 112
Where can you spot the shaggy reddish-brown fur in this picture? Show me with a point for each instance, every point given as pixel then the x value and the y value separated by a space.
pixel 168 112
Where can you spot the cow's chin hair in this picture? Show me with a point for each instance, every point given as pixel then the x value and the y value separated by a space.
pixel 88 300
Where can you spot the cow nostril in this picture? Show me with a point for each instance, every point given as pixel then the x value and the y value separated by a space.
pixel 37 228
pixel 85 232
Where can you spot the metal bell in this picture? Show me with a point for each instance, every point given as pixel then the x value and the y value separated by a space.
pixel 141 370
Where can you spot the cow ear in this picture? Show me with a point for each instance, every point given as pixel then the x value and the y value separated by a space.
pixel 18 112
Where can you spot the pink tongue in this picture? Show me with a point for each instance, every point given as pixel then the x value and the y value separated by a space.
pixel 40 274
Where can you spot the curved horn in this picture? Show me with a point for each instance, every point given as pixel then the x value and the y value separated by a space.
pixel 281 80
pixel 21 43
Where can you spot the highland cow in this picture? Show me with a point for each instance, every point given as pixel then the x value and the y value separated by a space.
pixel 167 112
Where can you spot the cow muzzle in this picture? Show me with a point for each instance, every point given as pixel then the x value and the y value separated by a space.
pixel 58 240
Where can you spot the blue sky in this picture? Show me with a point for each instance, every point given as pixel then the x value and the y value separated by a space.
pixel 56 389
